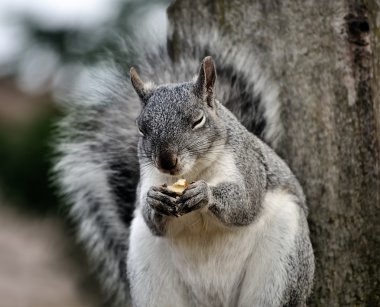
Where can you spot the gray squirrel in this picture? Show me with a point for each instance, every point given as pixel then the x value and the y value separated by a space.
pixel 238 236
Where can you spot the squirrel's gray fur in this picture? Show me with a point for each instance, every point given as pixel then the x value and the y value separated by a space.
pixel 98 170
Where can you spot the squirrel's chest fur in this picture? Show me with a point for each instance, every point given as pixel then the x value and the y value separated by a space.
pixel 207 263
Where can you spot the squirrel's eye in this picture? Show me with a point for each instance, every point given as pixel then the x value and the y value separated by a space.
pixel 140 131
pixel 138 127
pixel 199 122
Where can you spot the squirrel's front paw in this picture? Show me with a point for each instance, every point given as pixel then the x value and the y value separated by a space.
pixel 195 196
pixel 162 201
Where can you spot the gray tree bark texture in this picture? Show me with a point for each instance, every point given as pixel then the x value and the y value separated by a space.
pixel 325 57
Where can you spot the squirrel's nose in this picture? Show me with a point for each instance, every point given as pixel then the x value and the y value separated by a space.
pixel 167 161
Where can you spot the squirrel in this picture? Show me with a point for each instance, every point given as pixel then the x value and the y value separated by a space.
pixel 237 236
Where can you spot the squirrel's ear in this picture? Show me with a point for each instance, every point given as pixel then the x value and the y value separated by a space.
pixel 144 91
pixel 205 83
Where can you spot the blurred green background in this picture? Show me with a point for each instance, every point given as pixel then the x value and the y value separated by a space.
pixel 43 47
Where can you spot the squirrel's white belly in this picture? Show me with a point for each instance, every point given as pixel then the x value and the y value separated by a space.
pixel 202 263
pixel 210 259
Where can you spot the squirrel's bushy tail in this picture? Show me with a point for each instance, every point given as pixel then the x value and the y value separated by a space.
pixel 97 171
pixel 97 167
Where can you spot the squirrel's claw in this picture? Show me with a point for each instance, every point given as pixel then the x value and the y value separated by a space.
pixel 162 203
pixel 193 198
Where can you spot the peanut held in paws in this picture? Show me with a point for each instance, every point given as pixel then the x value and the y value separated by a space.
pixel 178 187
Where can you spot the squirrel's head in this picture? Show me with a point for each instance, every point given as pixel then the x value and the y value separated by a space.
pixel 179 124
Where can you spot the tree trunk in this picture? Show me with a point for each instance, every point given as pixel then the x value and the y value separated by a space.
pixel 325 57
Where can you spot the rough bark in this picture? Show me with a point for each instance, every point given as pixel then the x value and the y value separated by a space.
pixel 325 57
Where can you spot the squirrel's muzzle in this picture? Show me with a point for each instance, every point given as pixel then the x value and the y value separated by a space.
pixel 167 161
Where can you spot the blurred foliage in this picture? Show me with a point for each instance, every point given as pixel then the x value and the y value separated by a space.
pixel 25 161
pixel 88 46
